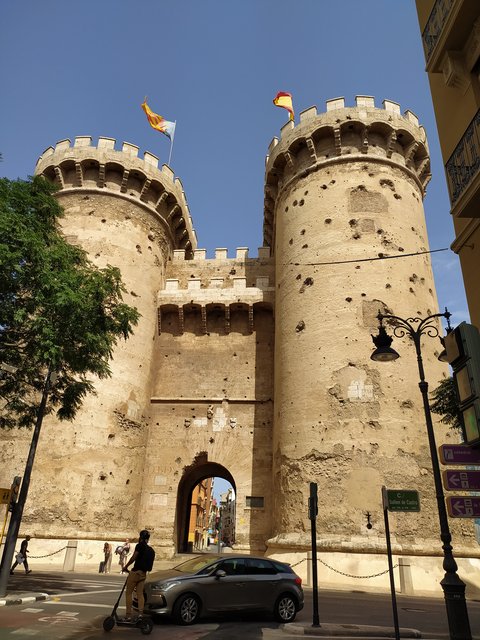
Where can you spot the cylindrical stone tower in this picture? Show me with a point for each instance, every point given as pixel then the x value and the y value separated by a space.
pixel 126 212
pixel 344 216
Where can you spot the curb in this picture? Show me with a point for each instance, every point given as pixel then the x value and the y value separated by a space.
pixel 348 630
pixel 23 599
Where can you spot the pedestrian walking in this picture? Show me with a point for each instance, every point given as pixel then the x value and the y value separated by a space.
pixel 107 560
pixel 21 557
pixel 142 559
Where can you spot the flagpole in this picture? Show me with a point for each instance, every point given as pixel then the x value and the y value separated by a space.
pixel 171 145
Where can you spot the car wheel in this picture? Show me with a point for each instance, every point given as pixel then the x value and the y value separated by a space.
pixel 285 608
pixel 186 609
pixel 108 623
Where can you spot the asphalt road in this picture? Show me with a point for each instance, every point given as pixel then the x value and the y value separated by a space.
pixel 80 602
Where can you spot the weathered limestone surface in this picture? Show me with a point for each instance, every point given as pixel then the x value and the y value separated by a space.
pixel 255 369
pixel 342 188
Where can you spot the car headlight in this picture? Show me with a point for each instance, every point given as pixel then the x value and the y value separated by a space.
pixel 164 586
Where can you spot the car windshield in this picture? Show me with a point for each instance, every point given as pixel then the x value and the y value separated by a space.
pixel 194 564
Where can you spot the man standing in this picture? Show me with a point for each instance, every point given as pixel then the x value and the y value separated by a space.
pixel 142 559
pixel 21 557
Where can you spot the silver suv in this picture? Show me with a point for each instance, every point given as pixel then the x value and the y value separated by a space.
pixel 209 584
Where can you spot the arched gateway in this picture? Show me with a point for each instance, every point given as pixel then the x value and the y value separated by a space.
pixel 194 474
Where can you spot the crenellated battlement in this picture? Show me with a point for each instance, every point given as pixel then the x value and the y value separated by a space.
pixel 241 271
pixel 222 254
pixel 122 173
pixel 345 134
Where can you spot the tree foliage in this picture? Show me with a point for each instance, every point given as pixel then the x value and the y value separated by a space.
pixel 57 309
pixel 445 404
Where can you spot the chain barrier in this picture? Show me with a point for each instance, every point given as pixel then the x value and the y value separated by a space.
pixel 348 575
pixel 299 562
pixel 46 555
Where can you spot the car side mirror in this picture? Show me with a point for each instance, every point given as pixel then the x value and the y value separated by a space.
pixel 220 574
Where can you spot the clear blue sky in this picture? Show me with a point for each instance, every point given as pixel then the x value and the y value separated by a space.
pixel 214 66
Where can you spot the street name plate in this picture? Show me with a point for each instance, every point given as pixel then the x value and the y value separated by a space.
pixel 458 454
pixel 401 500
pixel 463 507
pixel 459 480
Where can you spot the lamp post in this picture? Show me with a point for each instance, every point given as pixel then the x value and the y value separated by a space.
pixel 18 507
pixel 453 587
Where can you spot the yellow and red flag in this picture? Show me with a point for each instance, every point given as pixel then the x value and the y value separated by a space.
pixel 284 100
pixel 158 122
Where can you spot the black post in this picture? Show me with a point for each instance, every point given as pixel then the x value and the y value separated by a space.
pixel 390 563
pixel 312 514
pixel 17 511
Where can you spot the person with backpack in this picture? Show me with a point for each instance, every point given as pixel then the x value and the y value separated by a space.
pixel 142 560
pixel 123 550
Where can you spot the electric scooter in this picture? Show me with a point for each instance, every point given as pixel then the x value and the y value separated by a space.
pixel 144 624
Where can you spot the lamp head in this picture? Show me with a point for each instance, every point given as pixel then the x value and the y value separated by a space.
pixel 383 351
pixel 443 355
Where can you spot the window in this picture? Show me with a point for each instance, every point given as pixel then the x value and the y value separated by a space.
pixel 259 567
pixel 233 566
pixel 255 502
pixel 281 567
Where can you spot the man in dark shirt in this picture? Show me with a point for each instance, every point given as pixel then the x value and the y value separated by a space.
pixel 142 559
pixel 22 556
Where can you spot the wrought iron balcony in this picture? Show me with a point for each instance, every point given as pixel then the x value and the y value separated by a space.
pixel 435 24
pixel 464 163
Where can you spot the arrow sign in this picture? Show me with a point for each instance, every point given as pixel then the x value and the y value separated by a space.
pixel 458 454
pixel 463 507
pixel 459 480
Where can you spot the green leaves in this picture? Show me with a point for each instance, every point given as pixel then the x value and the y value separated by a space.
pixel 445 404
pixel 56 307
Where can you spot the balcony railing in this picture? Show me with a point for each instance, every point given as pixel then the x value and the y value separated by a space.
pixel 434 26
pixel 464 163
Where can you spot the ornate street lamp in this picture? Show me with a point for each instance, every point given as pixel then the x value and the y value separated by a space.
pixel 453 587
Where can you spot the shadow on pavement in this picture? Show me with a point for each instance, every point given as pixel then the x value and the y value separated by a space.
pixel 54 583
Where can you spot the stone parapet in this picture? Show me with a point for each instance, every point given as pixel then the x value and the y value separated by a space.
pixel 343 134
pixel 214 298
pixel 123 174
pixel 222 254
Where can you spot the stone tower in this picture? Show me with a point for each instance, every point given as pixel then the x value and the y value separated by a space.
pixel 343 193
pixel 126 212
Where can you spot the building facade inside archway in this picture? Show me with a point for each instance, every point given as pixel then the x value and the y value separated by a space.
pixel 258 366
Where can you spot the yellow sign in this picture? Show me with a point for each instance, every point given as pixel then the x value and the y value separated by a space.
pixel 4 496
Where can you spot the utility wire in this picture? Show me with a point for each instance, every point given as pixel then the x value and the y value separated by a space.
pixel 402 255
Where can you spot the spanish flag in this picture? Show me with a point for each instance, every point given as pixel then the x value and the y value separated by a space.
pixel 283 99
pixel 159 123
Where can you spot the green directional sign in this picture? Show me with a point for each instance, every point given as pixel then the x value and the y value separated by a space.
pixel 401 500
